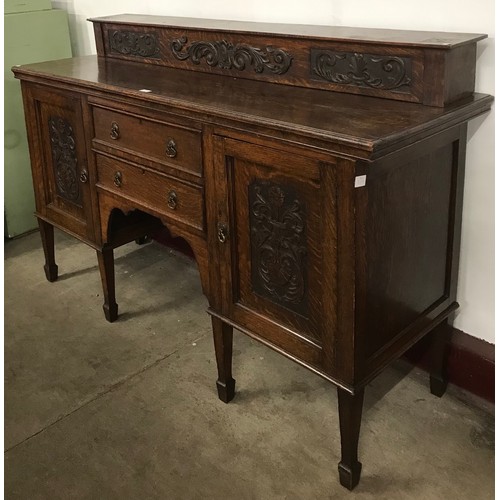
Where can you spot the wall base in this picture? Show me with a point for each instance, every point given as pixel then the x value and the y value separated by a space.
pixel 471 363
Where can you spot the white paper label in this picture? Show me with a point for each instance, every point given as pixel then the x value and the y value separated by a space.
pixel 360 181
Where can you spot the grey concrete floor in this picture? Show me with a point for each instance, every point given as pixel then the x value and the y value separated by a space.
pixel 129 410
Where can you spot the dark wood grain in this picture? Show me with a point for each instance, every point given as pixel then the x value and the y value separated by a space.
pixel 470 362
pixel 406 266
pixel 350 411
pixel 242 165
pixel 345 367
pixel 349 60
pixel 58 158
pixel 438 379
pixel 149 138
pixel 107 270
pixel 396 304
pixel 345 33
pixel 47 235
pixel 362 124
pixel 223 341
pixel 324 225
pixel 168 196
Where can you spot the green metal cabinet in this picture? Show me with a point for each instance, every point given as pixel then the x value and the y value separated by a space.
pixel 38 35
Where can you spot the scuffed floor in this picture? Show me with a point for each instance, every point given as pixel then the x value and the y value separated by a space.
pixel 129 410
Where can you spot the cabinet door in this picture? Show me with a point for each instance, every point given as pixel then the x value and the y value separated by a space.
pixel 59 160
pixel 278 247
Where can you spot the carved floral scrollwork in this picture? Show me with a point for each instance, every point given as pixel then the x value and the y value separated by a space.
pixel 225 55
pixel 131 43
pixel 362 70
pixel 64 157
pixel 279 247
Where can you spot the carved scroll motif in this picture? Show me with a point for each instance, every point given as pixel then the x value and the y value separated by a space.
pixel 131 43
pixel 64 157
pixel 225 55
pixel 362 70
pixel 279 244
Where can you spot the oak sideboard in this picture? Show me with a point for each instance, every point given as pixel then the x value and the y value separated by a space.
pixel 316 172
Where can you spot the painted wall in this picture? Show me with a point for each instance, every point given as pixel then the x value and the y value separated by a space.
pixel 476 282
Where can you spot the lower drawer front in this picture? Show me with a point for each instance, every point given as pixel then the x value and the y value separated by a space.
pixel 170 197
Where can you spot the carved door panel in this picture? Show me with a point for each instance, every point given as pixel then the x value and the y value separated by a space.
pixel 277 238
pixel 59 160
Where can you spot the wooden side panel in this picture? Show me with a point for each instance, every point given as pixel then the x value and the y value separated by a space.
pixel 460 74
pixel 449 75
pixel 406 244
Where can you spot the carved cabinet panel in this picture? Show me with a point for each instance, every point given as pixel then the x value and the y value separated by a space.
pixel 277 274
pixel 59 159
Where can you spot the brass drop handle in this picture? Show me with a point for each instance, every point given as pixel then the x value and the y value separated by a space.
pixel 84 176
pixel 172 200
pixel 117 179
pixel 171 150
pixel 115 131
pixel 221 232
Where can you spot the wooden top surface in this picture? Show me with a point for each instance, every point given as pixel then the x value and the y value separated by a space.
pixel 366 123
pixel 425 39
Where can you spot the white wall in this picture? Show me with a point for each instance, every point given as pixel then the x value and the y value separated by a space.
pixel 476 281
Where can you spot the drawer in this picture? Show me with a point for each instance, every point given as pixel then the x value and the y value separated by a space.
pixel 162 194
pixel 158 141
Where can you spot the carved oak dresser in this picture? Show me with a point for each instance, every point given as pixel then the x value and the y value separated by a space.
pixel 316 172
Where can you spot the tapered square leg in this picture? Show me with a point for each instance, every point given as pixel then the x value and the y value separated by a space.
pixel 440 348
pixel 350 411
pixel 106 262
pixel 223 341
pixel 47 235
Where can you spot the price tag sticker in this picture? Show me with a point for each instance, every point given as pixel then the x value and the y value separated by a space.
pixel 360 181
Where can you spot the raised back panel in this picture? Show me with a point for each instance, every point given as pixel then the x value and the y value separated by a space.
pixel 407 66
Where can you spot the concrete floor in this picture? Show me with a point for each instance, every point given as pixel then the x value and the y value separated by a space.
pixel 129 410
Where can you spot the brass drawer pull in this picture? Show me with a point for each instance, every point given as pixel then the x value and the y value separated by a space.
pixel 172 200
pixel 171 151
pixel 84 176
pixel 221 232
pixel 115 131
pixel 118 179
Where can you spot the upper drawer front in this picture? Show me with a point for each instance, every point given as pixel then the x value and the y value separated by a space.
pixel 175 199
pixel 158 141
